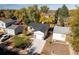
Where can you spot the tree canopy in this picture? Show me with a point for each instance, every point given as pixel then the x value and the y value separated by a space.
pixel 44 9
pixel 74 24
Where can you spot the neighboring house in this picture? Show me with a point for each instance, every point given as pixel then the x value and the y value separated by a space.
pixel 38 28
pixel 14 29
pixel 6 23
pixel 60 33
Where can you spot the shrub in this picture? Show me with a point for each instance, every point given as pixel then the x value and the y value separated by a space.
pixel 18 41
pixel 22 42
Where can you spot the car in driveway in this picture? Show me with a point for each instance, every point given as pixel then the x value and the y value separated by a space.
pixel 31 50
pixel 4 37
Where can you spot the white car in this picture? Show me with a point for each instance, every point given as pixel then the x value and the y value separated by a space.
pixel 4 37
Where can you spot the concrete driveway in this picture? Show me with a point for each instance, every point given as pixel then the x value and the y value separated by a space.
pixel 37 46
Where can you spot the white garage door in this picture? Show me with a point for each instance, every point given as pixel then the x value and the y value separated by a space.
pixel 60 37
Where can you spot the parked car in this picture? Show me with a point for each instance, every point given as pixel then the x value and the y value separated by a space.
pixel 31 51
pixel 4 37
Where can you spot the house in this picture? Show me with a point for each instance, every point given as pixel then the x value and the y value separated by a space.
pixel 6 23
pixel 14 29
pixel 38 29
pixel 60 33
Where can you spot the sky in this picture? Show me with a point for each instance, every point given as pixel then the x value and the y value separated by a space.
pixel 51 6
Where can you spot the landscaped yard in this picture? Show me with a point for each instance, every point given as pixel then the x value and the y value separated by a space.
pixel 17 43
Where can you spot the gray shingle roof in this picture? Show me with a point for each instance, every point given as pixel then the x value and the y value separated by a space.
pixel 13 27
pixel 61 30
pixel 6 20
pixel 39 26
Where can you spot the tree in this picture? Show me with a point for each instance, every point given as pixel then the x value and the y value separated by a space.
pixel 5 14
pixel 75 39
pixel 1 14
pixel 44 9
pixel 33 8
pixel 19 14
pixel 57 15
pixel 33 13
pixel 64 11
pixel 61 21
pixel 50 19
pixel 57 12
pixel 61 14
pixel 21 42
pixel 74 24
pixel 18 41
pixel 42 18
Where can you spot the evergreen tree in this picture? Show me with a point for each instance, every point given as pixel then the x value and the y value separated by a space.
pixel 64 11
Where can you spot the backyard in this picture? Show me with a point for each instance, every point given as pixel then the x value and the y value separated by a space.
pixel 55 48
